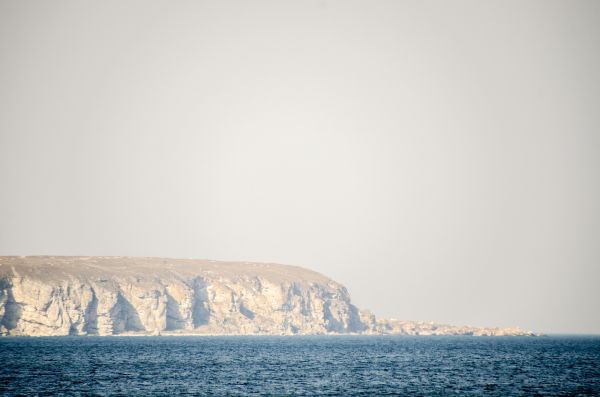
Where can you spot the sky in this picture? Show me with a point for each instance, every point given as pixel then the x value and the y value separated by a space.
pixel 440 159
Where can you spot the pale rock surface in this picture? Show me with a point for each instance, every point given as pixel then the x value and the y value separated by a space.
pixel 46 296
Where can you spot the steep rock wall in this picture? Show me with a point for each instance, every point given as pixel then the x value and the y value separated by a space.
pixel 112 295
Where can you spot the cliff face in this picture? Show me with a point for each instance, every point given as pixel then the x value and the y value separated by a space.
pixel 42 296
pixel 111 295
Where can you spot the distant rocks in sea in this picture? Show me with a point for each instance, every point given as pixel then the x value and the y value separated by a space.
pixel 53 296
pixel 399 327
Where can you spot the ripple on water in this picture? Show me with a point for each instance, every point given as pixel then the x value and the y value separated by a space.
pixel 300 365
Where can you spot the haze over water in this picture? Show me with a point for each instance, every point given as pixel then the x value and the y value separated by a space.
pixel 440 159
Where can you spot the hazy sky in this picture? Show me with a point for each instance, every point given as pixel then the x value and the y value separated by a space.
pixel 440 159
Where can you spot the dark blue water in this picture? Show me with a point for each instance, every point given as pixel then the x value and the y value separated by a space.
pixel 300 366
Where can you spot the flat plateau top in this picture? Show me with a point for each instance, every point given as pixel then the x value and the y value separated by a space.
pixel 59 267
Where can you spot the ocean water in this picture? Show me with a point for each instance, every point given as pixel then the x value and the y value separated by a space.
pixel 352 365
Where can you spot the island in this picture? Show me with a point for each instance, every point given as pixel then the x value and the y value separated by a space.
pixel 98 295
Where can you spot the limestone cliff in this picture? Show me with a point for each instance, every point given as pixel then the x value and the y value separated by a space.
pixel 117 295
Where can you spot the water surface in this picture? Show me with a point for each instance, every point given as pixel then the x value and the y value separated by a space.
pixel 348 365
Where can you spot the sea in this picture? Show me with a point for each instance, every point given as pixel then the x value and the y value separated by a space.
pixel 300 366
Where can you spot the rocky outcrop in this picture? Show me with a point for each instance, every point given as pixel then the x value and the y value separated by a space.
pixel 399 327
pixel 120 296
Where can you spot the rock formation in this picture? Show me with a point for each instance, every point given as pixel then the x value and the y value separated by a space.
pixel 42 296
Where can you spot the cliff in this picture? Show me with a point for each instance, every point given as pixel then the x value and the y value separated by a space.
pixel 120 296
